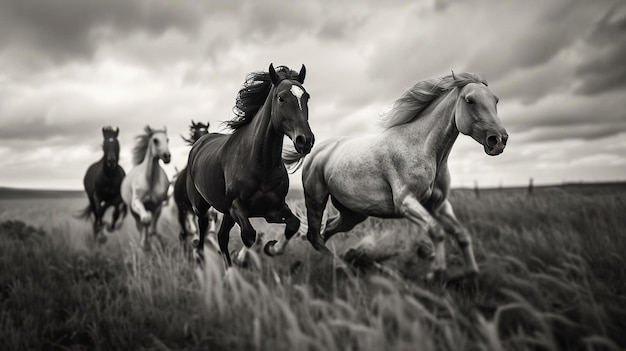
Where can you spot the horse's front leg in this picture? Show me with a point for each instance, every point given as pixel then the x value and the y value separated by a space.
pixel 98 213
pixel 137 205
pixel 119 207
pixel 451 224
pixel 281 215
pixel 145 219
pixel 239 214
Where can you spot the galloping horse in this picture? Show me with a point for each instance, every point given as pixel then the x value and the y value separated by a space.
pixel 186 217
pixel 242 174
pixel 102 185
pixel 403 172
pixel 145 187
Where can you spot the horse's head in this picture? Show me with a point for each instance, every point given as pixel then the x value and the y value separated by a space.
pixel 476 115
pixel 159 145
pixel 290 111
pixel 197 130
pixel 111 146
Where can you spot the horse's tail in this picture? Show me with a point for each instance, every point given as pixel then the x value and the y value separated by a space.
pixel 291 158
pixel 84 213
pixel 304 227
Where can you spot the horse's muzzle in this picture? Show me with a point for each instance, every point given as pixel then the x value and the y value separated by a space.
pixel 166 157
pixel 494 144
pixel 304 143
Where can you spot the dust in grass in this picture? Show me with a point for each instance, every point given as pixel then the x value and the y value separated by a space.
pixel 551 264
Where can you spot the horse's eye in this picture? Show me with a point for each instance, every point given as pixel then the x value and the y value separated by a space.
pixel 156 141
pixel 281 99
pixel 469 101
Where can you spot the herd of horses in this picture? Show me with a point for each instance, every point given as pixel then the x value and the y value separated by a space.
pixel 401 172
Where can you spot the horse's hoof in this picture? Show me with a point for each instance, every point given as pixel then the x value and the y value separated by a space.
pixel 268 248
pixel 358 259
pixel 199 257
pixel 101 239
pixel 145 246
pixel 439 276
pixel 317 242
pixel 426 251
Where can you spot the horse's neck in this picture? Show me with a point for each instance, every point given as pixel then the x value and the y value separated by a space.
pixel 262 139
pixel 152 168
pixel 439 126
pixel 106 171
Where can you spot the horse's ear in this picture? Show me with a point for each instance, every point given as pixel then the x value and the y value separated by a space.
pixel 302 74
pixel 273 75
pixel 453 76
pixel 117 131
pixel 148 130
pixel 104 132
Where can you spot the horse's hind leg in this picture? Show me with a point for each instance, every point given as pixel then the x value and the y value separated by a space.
pixel 153 226
pixel 411 208
pixel 182 221
pixel 223 236
pixel 346 220
pixel 315 196
pixel 451 224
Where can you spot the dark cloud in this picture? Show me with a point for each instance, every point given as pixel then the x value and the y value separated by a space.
pixel 587 132
pixel 566 111
pixel 605 70
pixel 540 39
pixel 58 31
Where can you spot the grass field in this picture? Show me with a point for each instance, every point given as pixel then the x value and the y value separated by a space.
pixel 553 277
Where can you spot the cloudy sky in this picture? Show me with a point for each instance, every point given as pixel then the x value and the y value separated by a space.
pixel 69 67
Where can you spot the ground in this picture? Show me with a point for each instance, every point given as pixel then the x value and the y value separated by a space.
pixel 552 277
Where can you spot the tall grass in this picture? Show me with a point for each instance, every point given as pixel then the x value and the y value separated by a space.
pixel 552 278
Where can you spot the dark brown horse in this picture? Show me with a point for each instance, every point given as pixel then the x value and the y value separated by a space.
pixel 102 185
pixel 186 217
pixel 242 174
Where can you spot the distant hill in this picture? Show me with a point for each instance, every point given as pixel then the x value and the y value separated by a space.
pixel 17 193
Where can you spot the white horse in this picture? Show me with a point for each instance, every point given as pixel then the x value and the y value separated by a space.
pixel 403 172
pixel 145 187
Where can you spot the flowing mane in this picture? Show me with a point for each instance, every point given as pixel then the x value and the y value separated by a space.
pixel 253 94
pixel 411 104
pixel 141 146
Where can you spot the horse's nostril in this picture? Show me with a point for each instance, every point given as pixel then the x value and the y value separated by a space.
pixel 492 141
pixel 300 141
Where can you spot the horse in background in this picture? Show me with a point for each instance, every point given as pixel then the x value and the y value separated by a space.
pixel 145 187
pixel 403 172
pixel 102 185
pixel 186 216
pixel 242 174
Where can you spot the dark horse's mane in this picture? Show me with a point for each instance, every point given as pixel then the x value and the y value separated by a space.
pixel 253 94
pixel 195 132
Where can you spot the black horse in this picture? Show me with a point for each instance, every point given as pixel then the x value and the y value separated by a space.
pixel 186 216
pixel 242 174
pixel 102 185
